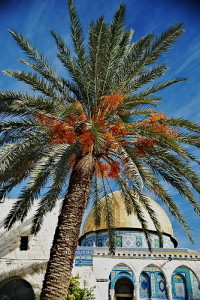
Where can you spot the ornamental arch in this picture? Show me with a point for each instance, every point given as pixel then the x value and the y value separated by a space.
pixel 16 288
pixel 158 266
pixel 152 283
pixel 185 284
pixel 192 269
pixel 121 282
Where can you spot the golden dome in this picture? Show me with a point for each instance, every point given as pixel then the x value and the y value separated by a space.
pixel 123 220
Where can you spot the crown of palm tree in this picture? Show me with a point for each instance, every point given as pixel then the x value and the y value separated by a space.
pixel 107 111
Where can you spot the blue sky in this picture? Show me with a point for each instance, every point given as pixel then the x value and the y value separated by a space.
pixel 35 18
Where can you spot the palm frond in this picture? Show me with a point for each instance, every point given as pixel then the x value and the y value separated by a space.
pixel 98 36
pixel 187 124
pixel 59 175
pixel 38 62
pixel 160 192
pixel 148 76
pixel 79 48
pixel 132 199
pixel 155 51
pixel 180 167
pixel 22 206
pixel 70 64
pixel 37 180
pixel 97 205
pixel 36 83
pixel 177 181
pixel 109 218
pixel 11 156
pixel 155 218
pixel 158 87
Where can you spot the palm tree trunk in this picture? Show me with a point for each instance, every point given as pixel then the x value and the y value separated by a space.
pixel 66 236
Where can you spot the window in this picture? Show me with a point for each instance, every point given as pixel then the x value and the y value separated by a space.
pixel 24 243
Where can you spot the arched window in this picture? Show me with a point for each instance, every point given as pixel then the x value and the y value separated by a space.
pixel 185 284
pixel 121 282
pixel 179 287
pixel 152 283
pixel 17 289
pixel 145 286
pixel 195 287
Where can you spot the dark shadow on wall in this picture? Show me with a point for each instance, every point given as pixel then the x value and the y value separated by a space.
pixel 11 239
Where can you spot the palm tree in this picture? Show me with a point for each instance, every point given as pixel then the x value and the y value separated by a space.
pixel 100 127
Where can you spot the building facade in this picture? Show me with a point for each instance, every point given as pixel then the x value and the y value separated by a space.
pixel 133 272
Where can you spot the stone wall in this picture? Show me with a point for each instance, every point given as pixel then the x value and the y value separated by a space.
pixel 30 264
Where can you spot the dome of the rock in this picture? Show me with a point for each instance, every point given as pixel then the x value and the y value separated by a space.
pixel 128 223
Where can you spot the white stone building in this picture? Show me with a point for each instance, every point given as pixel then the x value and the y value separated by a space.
pixel 132 273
